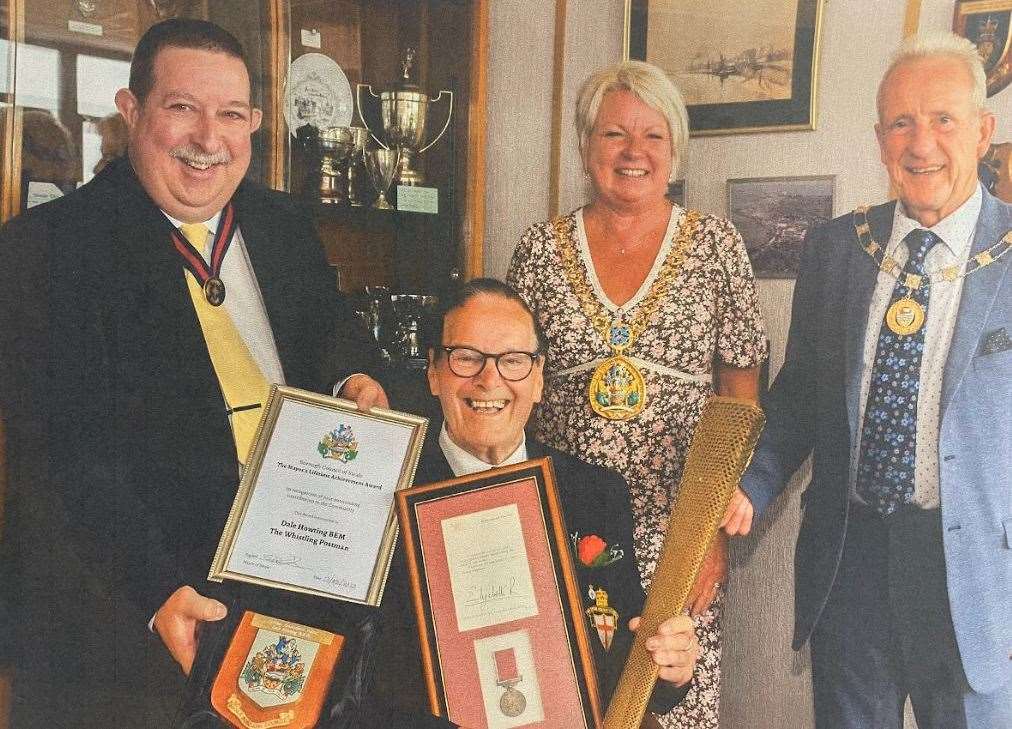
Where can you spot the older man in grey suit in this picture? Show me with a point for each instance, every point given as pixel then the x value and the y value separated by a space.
pixel 897 382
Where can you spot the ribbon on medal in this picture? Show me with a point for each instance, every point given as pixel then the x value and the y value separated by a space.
pixel 209 277
pixel 512 702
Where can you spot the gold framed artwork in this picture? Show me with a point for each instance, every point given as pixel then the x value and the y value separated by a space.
pixel 742 67
pixel 987 24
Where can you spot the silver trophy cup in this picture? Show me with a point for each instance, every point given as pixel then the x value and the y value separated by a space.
pixel 336 143
pixel 404 112
pixel 412 311
pixel 382 164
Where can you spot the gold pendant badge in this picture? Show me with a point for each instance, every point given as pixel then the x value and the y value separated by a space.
pixel 904 316
pixel 617 389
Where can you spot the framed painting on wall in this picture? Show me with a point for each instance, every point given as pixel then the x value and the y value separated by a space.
pixel 987 24
pixel 773 215
pixel 742 67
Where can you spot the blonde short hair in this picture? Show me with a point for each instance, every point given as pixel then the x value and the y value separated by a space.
pixel 651 86
pixel 939 44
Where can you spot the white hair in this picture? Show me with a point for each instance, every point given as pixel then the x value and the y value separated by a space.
pixel 940 44
pixel 651 86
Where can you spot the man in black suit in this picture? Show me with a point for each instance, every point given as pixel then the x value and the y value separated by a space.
pixel 126 309
pixel 485 366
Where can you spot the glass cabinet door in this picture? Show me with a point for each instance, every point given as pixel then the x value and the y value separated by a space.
pixel 61 63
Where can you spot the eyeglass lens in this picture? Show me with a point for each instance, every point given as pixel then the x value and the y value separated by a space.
pixel 469 362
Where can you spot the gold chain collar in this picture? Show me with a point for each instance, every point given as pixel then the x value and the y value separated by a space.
pixel 593 309
pixel 911 280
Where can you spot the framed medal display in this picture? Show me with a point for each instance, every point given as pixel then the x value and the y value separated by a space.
pixel 500 619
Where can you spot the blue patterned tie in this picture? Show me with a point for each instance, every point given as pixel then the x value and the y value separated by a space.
pixel 885 472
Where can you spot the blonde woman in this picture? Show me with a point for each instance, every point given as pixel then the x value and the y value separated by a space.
pixel 649 309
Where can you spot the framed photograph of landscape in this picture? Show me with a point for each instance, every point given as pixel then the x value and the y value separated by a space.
pixel 988 24
pixel 742 67
pixel 773 215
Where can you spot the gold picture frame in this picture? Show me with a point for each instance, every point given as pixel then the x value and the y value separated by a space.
pixel 275 530
pixel 988 25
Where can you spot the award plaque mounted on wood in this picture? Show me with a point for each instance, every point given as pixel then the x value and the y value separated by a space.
pixel 499 615
pixel 275 673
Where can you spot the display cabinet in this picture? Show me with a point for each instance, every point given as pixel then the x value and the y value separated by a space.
pixel 61 62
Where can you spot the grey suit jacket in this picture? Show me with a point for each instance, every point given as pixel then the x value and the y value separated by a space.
pixel 812 409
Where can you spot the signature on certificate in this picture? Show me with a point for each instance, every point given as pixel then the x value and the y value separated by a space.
pixel 493 591
pixel 284 560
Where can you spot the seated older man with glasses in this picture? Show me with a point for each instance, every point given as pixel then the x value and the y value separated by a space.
pixel 485 366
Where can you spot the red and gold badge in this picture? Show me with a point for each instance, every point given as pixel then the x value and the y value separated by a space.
pixel 275 674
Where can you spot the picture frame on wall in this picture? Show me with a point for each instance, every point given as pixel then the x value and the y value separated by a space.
pixel 774 214
pixel 742 67
pixel 988 25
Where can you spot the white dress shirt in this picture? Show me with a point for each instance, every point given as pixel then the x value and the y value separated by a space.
pixel 956 233
pixel 463 463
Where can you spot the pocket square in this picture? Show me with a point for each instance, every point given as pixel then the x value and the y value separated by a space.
pixel 994 342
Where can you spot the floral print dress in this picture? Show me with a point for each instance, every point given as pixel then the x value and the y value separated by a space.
pixel 710 314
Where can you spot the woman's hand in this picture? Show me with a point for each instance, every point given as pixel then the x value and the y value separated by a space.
pixel 674 648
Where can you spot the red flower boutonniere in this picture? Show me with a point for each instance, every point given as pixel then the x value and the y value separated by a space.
pixel 593 551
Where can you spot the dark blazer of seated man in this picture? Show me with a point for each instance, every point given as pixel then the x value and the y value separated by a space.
pixel 486 369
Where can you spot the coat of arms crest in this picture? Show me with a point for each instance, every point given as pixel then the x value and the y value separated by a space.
pixel 276 671
pixel 339 444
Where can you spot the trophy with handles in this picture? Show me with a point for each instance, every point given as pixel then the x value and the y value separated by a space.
pixel 404 112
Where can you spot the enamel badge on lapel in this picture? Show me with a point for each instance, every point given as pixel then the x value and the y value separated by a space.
pixel 602 616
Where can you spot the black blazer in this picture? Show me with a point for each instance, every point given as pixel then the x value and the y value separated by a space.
pixel 121 457
pixel 595 500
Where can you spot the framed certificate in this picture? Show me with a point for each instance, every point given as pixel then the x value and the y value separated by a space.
pixel 315 507
pixel 499 616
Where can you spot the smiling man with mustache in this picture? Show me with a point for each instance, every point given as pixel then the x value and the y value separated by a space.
pixel 143 319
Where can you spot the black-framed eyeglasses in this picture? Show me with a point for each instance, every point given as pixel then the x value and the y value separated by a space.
pixel 512 366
